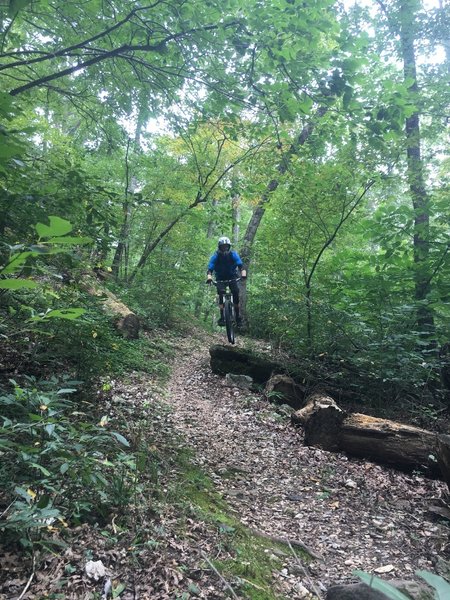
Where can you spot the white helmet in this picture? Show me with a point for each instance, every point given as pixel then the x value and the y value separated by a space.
pixel 224 245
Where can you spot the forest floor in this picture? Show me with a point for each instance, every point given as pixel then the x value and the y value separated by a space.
pixel 231 479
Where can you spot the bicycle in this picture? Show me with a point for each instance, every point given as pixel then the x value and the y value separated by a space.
pixel 228 309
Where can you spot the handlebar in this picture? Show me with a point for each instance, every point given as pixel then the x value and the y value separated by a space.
pixel 225 281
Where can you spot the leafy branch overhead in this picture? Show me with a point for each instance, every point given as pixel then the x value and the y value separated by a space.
pixel 52 239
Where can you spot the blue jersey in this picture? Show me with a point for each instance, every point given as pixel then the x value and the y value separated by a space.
pixel 225 266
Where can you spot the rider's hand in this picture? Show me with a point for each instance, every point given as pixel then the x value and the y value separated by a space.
pixel 244 275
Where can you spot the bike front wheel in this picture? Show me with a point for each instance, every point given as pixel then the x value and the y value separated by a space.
pixel 229 324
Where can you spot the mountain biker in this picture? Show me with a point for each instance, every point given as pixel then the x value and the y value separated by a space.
pixel 226 263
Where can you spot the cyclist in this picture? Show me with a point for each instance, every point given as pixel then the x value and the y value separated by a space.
pixel 226 263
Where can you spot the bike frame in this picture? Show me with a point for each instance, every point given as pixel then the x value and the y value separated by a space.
pixel 228 308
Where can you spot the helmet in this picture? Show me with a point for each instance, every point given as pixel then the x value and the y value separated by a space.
pixel 224 245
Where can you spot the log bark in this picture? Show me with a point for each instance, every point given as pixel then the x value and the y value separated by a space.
pixel 228 359
pixel 322 419
pixel 444 457
pixel 282 389
pixel 125 320
pixel 381 440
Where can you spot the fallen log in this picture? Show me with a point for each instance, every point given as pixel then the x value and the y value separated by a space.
pixel 125 320
pixel 322 419
pixel 229 359
pixel 225 359
pixel 443 456
pixel 282 389
pixel 380 440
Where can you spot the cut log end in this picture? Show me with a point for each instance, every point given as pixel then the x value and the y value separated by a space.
pixel 380 440
pixel 129 326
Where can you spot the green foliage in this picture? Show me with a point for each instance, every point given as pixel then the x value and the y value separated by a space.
pixel 52 240
pixel 58 465
pixel 98 348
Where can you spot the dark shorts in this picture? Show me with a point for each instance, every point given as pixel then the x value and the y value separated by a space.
pixel 233 285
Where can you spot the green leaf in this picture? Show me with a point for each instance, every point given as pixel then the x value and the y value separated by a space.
pixel 42 469
pixel 193 589
pixel 16 262
pixel 16 5
pixel 305 105
pixel 64 468
pixel 44 501
pixel 50 428
pixel 22 492
pixel 441 586
pixel 120 438
pixel 118 590
pixel 57 227
pixel 378 584
pixel 17 284
pixel 63 313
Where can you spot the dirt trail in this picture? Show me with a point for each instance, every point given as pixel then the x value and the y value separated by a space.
pixel 355 514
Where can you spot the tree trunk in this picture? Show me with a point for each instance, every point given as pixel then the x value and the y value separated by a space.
pixel 235 213
pixel 416 178
pixel 260 209
pixel 122 251
pixel 380 440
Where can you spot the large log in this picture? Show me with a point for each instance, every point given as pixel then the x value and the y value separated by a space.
pixel 125 320
pixel 380 440
pixel 226 359
pixel 229 359
pixel 443 456
pixel 282 389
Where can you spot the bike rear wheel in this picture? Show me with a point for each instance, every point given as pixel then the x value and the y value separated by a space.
pixel 229 324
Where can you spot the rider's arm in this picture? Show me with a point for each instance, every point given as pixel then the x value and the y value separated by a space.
pixel 240 265
pixel 211 267
pixel 212 263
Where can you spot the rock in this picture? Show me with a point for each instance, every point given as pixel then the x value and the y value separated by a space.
pixel 95 569
pixel 361 591
pixel 244 382
pixel 414 590
pixel 443 568
pixel 356 591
